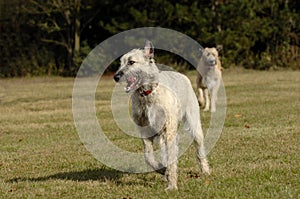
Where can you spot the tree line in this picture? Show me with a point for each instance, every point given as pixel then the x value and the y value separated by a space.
pixel 52 37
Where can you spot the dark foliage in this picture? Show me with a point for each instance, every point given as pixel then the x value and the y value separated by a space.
pixel 52 37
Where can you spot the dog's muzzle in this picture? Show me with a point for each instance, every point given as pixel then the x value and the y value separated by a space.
pixel 132 81
pixel 212 61
pixel 118 76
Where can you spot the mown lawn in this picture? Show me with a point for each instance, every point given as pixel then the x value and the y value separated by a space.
pixel 257 156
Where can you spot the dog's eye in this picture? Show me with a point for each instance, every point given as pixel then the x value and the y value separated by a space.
pixel 130 62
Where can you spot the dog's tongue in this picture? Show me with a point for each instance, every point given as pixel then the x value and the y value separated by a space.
pixel 130 84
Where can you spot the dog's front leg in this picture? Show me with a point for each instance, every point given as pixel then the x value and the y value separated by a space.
pixel 207 101
pixel 214 97
pixel 149 156
pixel 201 97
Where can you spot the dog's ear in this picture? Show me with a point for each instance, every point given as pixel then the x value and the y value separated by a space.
pixel 149 49
pixel 219 48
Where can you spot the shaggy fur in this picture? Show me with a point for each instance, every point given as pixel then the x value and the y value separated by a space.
pixel 209 78
pixel 160 100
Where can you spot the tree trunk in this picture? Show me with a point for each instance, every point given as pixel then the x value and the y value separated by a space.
pixel 70 42
pixel 77 27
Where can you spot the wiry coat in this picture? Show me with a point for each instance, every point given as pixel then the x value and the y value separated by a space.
pixel 160 100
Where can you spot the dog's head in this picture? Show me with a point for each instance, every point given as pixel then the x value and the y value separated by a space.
pixel 210 57
pixel 137 68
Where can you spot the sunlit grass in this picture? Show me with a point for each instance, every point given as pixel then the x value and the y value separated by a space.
pixel 257 155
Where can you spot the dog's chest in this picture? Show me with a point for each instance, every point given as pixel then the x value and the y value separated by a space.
pixel 211 79
pixel 210 82
pixel 140 110
pixel 140 117
pixel 151 110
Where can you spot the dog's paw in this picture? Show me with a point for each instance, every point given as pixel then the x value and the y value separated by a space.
pixel 171 188
pixel 201 103
pixel 164 178
pixel 206 109
pixel 162 171
pixel 205 171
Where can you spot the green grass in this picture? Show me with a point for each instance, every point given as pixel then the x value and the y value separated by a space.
pixel 257 156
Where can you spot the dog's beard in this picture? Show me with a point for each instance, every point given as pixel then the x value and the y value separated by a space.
pixel 133 81
pixel 137 80
pixel 211 64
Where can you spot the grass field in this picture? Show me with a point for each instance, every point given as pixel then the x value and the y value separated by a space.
pixel 257 156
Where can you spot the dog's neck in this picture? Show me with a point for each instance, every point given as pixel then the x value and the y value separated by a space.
pixel 146 90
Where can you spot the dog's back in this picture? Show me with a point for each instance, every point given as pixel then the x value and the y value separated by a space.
pixel 182 88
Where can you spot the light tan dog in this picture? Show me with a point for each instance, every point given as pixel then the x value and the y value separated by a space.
pixel 209 78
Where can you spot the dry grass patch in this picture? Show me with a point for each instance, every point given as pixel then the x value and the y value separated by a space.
pixel 257 155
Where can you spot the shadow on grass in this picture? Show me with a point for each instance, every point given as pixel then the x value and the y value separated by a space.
pixel 85 175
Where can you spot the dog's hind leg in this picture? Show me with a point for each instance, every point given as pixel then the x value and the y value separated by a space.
pixel 193 126
pixel 200 151
pixel 149 156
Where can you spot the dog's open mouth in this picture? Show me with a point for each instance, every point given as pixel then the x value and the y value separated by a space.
pixel 131 84
pixel 211 64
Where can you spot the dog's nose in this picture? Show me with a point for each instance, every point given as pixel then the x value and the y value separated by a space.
pixel 212 61
pixel 118 76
